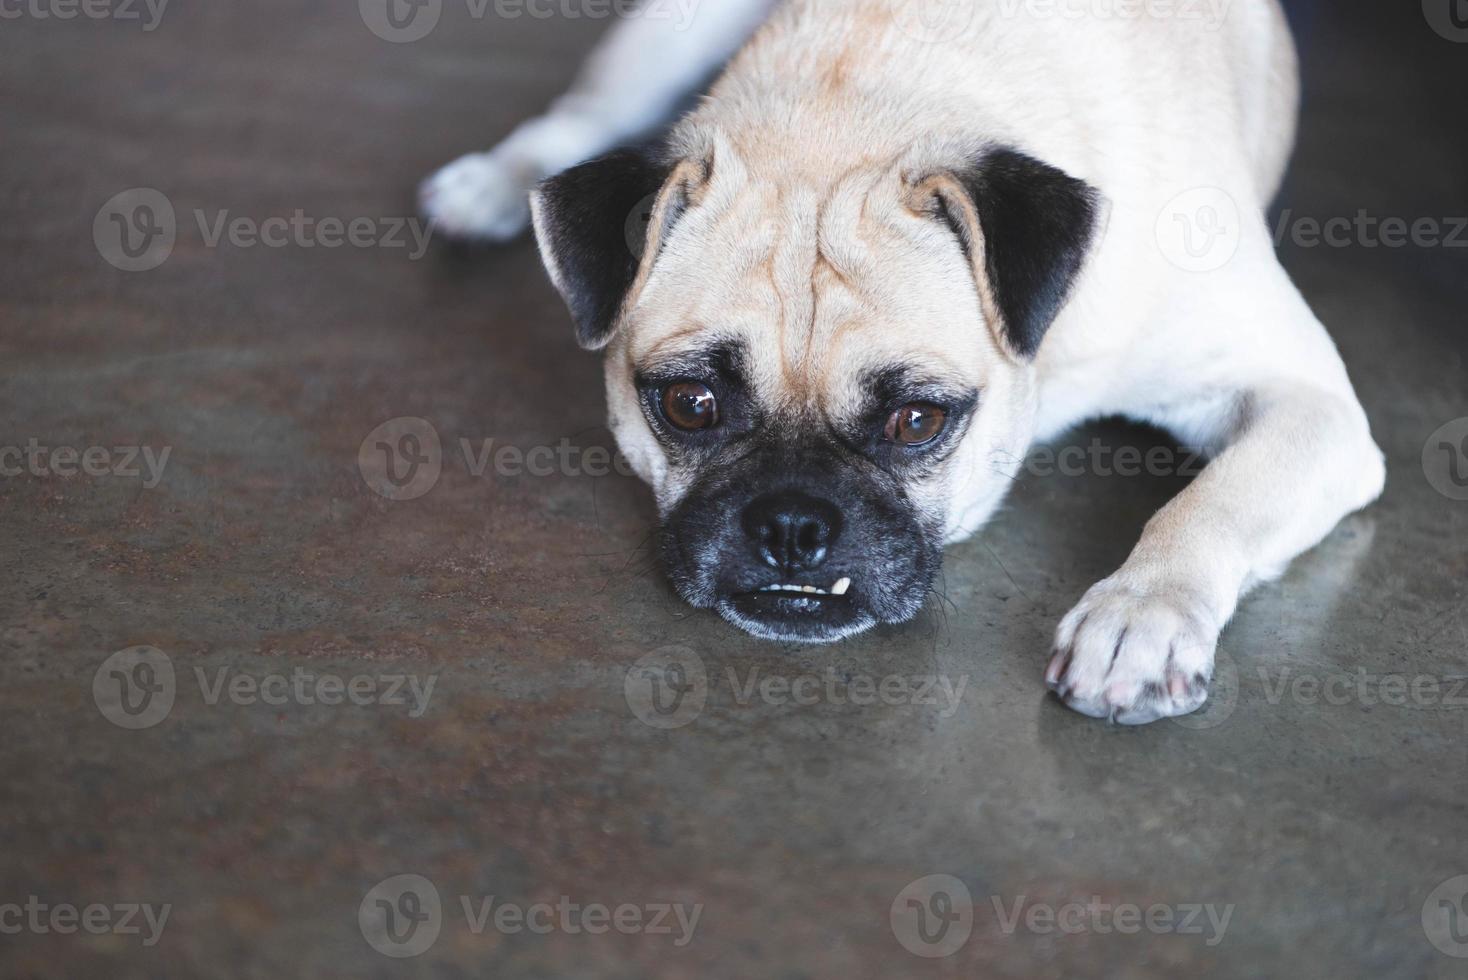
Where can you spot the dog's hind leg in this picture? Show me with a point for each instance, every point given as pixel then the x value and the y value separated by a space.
pixel 649 63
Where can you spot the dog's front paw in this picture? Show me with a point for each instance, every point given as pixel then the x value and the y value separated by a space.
pixel 1134 652
pixel 478 197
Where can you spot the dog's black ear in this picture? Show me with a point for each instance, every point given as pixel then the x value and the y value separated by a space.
pixel 1028 228
pixel 599 224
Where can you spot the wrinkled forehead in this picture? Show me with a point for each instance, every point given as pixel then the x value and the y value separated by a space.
pixel 811 298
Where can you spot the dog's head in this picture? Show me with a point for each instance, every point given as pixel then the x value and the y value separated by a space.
pixel 823 378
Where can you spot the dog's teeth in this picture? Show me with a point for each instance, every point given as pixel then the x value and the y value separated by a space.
pixel 801 589
pixel 840 587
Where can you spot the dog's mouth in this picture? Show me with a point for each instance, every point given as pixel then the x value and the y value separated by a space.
pixel 799 612
pixel 838 589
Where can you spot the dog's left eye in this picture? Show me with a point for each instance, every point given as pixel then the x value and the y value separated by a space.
pixel 916 424
pixel 690 406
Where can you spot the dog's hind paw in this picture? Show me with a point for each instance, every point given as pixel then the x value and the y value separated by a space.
pixel 478 197
pixel 1133 654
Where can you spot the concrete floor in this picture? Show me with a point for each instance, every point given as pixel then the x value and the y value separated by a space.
pixel 1325 823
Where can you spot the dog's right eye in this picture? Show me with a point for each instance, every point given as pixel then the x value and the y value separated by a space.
pixel 916 425
pixel 690 406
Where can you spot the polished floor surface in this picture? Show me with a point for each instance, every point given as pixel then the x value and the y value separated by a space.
pixel 216 669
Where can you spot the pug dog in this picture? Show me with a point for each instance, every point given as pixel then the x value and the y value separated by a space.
pixel 895 245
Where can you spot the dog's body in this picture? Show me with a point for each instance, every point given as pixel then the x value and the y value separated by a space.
pixel 880 224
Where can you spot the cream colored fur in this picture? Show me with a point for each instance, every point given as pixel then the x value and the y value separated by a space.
pixel 810 241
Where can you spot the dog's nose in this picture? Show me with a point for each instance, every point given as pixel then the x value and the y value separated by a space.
pixel 792 531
